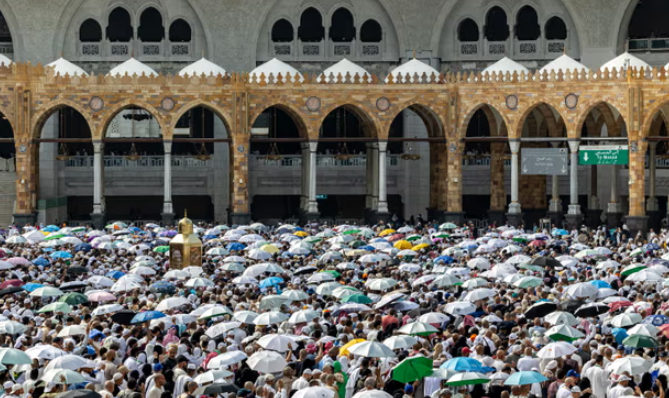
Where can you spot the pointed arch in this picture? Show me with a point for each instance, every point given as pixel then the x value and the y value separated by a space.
pixel 150 28
pixel 119 25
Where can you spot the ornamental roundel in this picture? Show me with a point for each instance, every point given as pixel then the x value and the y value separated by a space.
pixel 96 104
pixel 383 104
pixel 571 100
pixel 453 147
pixel 512 102
pixel 167 104
pixel 313 104
pixel 240 148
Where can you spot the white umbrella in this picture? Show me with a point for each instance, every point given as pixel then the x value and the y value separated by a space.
pixel 270 318
pixel 372 394
pixel 321 277
pixel 227 359
pixel 12 327
pixel 46 291
pixel 481 263
pixel 214 311
pixel 646 275
pixel 63 376
pixel 644 329
pixel 561 318
pixel 582 290
pixel 314 392
pixel 372 349
pixel 295 295
pixel 400 341
pixel 44 351
pixel 556 350
pixel 446 280
pixel 199 282
pixel 125 285
pixel 70 361
pixel 434 317
pixel 475 283
pixel 245 316
pixel 632 365
pixel 381 284
pixel 100 281
pixel 220 328
pixel 74 330
pixel 417 328
pixel 257 254
pixel 267 362
pixel 211 376
pixel 303 316
pixel 176 274
pixel 479 294
pixel 276 342
pixel 107 309
pixel 625 319
pixel 244 280
pixel 460 308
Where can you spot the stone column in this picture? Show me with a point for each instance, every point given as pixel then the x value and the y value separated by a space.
pixel 312 205
pixel 369 177
pixel 497 183
pixel 26 183
pixel 515 215
pixel 614 210
pixel 594 210
pixel 652 208
pixel 555 212
pixel 168 209
pixel 454 211
pixel 574 216
pixel 98 216
pixel 637 219
pixel 382 213
pixel 240 214
pixel 304 190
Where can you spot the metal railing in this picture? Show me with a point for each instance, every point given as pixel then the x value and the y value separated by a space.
pixel 651 44
pixel 321 161
pixel 120 162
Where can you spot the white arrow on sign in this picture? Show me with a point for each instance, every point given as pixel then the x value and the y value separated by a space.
pixel 585 157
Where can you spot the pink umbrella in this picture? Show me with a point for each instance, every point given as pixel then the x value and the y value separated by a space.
pixel 19 261
pixel 101 297
pixel 537 243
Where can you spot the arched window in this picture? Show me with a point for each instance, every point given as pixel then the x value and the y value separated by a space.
pixel 649 20
pixel 527 24
pixel 371 32
pixel 311 26
pixel 90 31
pixel 496 25
pixel 282 31
pixel 180 31
pixel 342 29
pixel 5 34
pixel 119 27
pixel 556 29
pixel 151 26
pixel 468 30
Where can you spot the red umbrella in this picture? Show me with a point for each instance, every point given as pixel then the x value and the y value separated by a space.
pixel 11 282
pixel 537 243
pixel 664 329
pixel 395 237
pixel 618 305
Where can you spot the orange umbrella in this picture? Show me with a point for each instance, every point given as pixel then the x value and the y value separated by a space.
pixel 344 349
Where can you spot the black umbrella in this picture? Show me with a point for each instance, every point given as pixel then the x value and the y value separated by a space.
pixel 77 270
pixel 305 270
pixel 546 262
pixel 592 310
pixel 11 290
pixel 124 317
pixel 82 393
pixel 73 286
pixel 214 389
pixel 540 309
pixel 571 305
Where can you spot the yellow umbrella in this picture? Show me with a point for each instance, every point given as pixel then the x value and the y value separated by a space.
pixel 344 349
pixel 301 234
pixel 387 232
pixel 402 245
pixel 356 252
pixel 419 247
pixel 270 249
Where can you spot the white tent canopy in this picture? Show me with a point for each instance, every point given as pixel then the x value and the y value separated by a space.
pixel 132 67
pixel 565 64
pixel 624 60
pixel 64 67
pixel 411 68
pixel 202 67
pixel 4 61
pixel 274 67
pixel 506 65
pixel 343 67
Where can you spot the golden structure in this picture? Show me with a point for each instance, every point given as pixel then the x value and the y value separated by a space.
pixel 186 247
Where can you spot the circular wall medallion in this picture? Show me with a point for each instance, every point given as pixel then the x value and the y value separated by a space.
pixel 240 149
pixel 634 147
pixel 512 102
pixel 23 149
pixel 167 104
pixel 383 104
pixel 313 104
pixel 452 147
pixel 571 100
pixel 96 104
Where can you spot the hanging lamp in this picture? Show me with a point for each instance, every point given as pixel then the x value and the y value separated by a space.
pixel 133 155
pixel 342 153
pixel 202 153
pixel 410 154
pixel 63 152
pixel 273 153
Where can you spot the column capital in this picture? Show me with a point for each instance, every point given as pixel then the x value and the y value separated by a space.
pixel 383 145
pixel 313 146
pixel 167 146
pixel 98 146
pixel 652 145
pixel 514 145
pixel 573 145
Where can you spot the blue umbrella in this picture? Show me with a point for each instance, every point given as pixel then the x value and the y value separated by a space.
pixel 41 261
pixel 83 247
pixel 208 237
pixel 95 333
pixel 269 282
pixel 31 287
pixel 462 364
pixel 620 334
pixel 558 243
pixel 61 254
pixel 560 232
pixel 444 259
pixel 471 247
pixel 600 284
pixel 51 228
pixel 369 248
pixel 163 287
pixel 524 378
pixel 114 274
pixel 147 316
pixel 236 246
pixel 652 247
pixel 656 320
pixel 134 229
pixel 299 229
pixel 47 249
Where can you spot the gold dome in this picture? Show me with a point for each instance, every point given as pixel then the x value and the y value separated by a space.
pixel 185 225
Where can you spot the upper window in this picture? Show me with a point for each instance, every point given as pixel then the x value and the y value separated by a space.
pixel 527 24
pixel 119 27
pixel 649 20
pixel 180 31
pixel 496 25
pixel 282 31
pixel 371 32
pixel 342 28
pixel 151 26
pixel 311 26
pixel 556 29
pixel 90 31
pixel 468 30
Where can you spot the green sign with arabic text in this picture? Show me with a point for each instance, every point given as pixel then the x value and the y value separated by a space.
pixel 603 155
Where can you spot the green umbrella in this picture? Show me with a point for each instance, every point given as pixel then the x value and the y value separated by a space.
pixel 57 306
pixel 412 369
pixel 630 269
pixel 333 273
pixel 161 249
pixel 519 239
pixel 442 235
pixel 78 229
pixel 467 379
pixel 73 298
pixel 52 237
pixel 351 232
pixel 356 298
pixel 448 225
pixel 640 341
pixel 413 238
pixel 531 267
pixel 356 244
pixel 312 239
pixel 12 356
pixel 564 333
pixel 528 281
